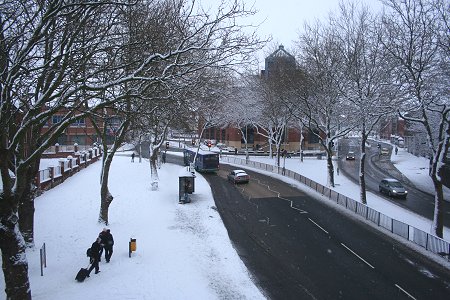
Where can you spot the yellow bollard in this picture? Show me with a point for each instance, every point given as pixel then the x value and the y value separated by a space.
pixel 131 246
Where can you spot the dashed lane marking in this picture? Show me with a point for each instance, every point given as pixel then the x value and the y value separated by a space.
pixel 279 196
pixel 404 291
pixel 354 253
pixel 318 226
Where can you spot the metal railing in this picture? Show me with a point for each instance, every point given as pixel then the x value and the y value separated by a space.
pixel 428 241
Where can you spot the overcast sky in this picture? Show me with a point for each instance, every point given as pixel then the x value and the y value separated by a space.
pixel 284 19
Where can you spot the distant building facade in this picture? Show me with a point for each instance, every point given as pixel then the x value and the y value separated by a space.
pixel 82 132
pixel 279 61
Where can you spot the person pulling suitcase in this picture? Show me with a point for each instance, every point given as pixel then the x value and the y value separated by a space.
pixel 95 253
pixel 82 274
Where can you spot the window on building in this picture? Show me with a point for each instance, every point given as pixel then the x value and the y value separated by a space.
pixel 313 138
pixel 78 123
pixel 57 119
pixel 206 134
pixel 79 139
pixel 222 135
pixel 249 131
pixel 114 121
pixel 113 125
pixel 62 140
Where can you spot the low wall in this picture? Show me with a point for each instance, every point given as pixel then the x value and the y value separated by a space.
pixel 68 165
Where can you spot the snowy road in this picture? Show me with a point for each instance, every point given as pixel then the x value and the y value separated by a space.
pixel 376 168
pixel 299 247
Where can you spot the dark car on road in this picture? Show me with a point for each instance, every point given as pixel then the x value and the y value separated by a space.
pixel 392 188
pixel 350 155
pixel 384 151
pixel 238 176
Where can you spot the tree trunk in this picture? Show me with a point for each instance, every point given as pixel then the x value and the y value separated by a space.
pixel 153 166
pixel 362 178
pixel 26 215
pixel 26 205
pixel 14 261
pixel 438 219
pixel 330 168
pixel 105 196
pixel 278 155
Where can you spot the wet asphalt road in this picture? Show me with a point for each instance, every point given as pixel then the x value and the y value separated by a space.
pixel 378 167
pixel 300 248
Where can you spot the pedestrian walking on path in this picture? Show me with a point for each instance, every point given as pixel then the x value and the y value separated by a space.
pixel 108 243
pixel 132 157
pixel 95 253
pixel 102 236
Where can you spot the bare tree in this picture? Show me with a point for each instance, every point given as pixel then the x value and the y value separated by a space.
pixel 41 69
pixel 363 74
pixel 416 38
pixel 275 110
pixel 155 118
pixel 323 104
pixel 111 125
pixel 240 105
pixel 67 55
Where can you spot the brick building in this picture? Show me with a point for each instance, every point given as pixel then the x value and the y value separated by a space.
pixel 82 132
pixel 279 61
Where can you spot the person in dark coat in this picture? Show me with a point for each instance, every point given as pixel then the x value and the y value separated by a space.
pixel 95 256
pixel 102 236
pixel 108 243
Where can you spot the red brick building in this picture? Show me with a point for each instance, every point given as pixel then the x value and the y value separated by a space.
pixel 392 127
pixel 82 132
pixel 232 137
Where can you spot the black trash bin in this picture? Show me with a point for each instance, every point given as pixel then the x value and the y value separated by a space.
pixel 186 186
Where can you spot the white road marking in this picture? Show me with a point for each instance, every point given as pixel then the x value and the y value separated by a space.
pixel 354 253
pixel 318 226
pixel 300 210
pixel 279 197
pixel 408 294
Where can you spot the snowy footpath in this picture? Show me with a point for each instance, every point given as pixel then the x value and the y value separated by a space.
pixel 183 251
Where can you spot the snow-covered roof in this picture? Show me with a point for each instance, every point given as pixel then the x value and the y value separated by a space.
pixel 280 52
pixel 201 151
pixel 185 173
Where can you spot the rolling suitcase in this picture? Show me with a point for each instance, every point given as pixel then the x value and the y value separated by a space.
pixel 82 274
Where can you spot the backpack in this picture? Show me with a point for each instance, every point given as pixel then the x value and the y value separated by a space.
pixel 88 252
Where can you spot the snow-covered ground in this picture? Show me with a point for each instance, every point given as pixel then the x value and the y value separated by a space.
pixel 183 251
